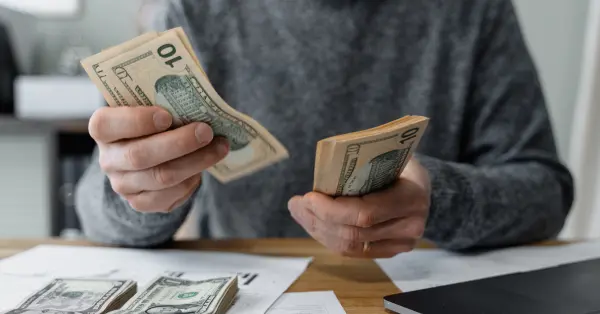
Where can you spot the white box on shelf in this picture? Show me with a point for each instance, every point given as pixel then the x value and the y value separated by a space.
pixel 56 97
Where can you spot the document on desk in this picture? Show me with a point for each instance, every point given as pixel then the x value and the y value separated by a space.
pixel 427 268
pixel 261 279
pixel 318 302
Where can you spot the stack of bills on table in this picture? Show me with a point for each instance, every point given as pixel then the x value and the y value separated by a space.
pixel 78 295
pixel 175 295
pixel 163 295
pixel 261 280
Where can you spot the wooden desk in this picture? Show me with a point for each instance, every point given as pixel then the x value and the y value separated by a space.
pixel 359 284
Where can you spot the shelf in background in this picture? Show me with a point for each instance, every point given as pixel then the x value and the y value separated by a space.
pixel 71 126
pixel 12 125
pixel 60 150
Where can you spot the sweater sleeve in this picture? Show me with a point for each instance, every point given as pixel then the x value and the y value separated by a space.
pixel 107 218
pixel 509 187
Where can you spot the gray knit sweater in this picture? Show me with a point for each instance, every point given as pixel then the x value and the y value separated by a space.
pixel 311 69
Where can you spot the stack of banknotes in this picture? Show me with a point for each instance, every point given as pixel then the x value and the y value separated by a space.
pixel 367 161
pixel 163 295
pixel 161 69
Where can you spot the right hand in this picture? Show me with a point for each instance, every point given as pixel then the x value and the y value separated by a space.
pixel 153 168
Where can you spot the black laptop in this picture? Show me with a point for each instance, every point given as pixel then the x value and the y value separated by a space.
pixel 567 289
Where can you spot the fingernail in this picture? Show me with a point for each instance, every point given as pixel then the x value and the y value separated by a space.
pixel 201 132
pixel 162 120
pixel 223 146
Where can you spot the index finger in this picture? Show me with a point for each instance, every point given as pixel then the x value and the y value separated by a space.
pixel 340 211
pixel 111 124
pixel 354 210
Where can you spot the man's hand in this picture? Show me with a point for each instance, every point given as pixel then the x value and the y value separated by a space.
pixel 392 220
pixel 153 168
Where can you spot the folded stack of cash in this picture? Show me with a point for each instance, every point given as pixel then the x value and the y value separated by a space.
pixel 73 295
pixel 163 295
pixel 177 295
pixel 366 161
pixel 161 69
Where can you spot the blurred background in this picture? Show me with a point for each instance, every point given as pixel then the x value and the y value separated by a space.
pixel 46 99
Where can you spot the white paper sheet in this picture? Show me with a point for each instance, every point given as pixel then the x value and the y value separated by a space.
pixel 318 302
pixel 261 279
pixel 427 268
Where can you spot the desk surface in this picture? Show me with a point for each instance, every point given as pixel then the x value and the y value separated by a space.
pixel 359 284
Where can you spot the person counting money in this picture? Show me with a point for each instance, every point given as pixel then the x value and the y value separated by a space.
pixel 293 74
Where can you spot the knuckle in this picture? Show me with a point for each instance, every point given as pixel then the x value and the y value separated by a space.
pixel 163 176
pixel 327 215
pixel 307 220
pixel 118 186
pixel 186 142
pixel 366 219
pixel 423 205
pixel 180 144
pixel 142 203
pixel 311 223
pixel 140 117
pixel 351 233
pixel 134 155
pixel 338 250
pixel 97 123
pixel 347 246
pixel 415 230
pixel 137 203
pixel 104 161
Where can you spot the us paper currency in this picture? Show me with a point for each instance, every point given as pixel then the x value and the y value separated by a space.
pixel 98 75
pixel 362 162
pixel 175 295
pixel 85 296
pixel 162 70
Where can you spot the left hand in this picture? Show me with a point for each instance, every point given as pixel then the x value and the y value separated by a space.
pixel 392 220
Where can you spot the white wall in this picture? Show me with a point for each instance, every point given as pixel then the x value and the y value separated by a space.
pixel 22 31
pixel 584 221
pixel 104 23
pixel 555 30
